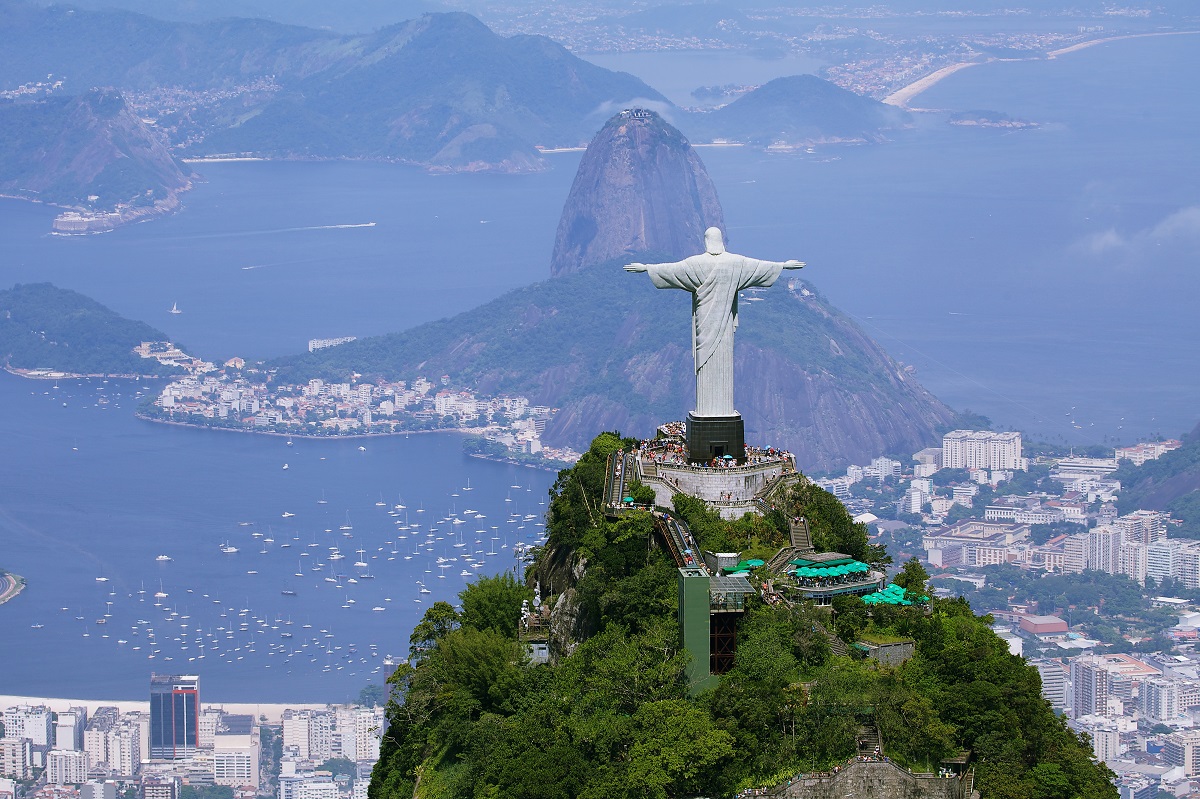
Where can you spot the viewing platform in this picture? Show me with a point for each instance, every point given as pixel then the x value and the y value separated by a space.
pixel 733 487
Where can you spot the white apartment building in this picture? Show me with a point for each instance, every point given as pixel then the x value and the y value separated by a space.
pixel 1153 450
pixel 295 731
pixel 35 722
pixel 982 449
pixel 1102 550
pixel 68 728
pixel 1054 682
pixel 307 788
pixel 1143 526
pixel 16 758
pixel 1158 699
pixel 125 748
pixel 1089 687
pixel 1182 748
pixel 1133 562
pixel 1106 739
pixel 235 766
pixel 368 731
pixel 66 766
pixel 210 719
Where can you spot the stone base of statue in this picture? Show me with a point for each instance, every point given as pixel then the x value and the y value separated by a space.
pixel 719 437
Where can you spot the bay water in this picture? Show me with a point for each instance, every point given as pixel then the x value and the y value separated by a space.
pixel 1043 276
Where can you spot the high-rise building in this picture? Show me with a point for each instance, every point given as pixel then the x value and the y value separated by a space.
pixel 1054 682
pixel 1143 526
pixel 95 735
pixel 35 722
pixel 125 748
pixel 1182 748
pixel 174 716
pixel 368 729
pixel 1159 699
pixel 295 731
pixel 68 728
pixel 1104 550
pixel 16 758
pixel 1089 687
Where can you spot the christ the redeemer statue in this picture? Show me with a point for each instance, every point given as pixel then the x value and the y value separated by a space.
pixel 714 279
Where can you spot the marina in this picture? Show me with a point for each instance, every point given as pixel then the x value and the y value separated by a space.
pixel 315 573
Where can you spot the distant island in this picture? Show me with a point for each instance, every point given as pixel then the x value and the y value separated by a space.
pixel 10 585
pixel 48 332
pixel 988 119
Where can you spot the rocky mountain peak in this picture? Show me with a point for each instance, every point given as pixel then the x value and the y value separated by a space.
pixel 640 188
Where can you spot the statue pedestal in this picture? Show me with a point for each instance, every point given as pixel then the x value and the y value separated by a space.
pixel 711 437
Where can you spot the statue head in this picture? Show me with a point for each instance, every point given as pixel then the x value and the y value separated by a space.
pixel 714 242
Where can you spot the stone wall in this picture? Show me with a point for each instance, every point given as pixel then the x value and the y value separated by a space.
pixel 739 483
pixel 874 780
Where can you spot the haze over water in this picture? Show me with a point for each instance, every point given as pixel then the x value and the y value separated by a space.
pixel 1022 272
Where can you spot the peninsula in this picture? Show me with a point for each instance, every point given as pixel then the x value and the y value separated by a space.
pixel 48 332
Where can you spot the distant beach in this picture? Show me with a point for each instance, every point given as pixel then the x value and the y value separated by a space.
pixel 902 97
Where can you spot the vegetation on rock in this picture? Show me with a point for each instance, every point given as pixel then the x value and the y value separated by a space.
pixel 473 717
pixel 42 326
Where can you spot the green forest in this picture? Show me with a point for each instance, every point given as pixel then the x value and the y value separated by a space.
pixel 42 326
pixel 611 715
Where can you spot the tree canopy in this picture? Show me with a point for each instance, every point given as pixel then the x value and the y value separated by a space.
pixel 472 716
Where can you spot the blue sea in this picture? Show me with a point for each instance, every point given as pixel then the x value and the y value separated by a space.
pixel 1045 277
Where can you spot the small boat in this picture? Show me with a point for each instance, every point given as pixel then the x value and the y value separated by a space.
pixel 102 579
pixel 285 466
pixel 362 449
pixel 175 308
pixel 287 514
pixel 163 558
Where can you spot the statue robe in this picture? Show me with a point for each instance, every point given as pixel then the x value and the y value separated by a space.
pixel 714 282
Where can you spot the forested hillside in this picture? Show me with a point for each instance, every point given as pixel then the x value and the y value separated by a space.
pixel 472 717
pixel 42 326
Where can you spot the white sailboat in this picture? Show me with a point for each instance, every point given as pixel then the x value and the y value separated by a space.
pixel 175 308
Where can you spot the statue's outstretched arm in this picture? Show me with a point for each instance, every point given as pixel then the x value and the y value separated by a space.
pixel 635 267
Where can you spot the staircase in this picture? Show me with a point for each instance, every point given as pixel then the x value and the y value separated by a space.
pixel 836 645
pixel 800 535
pixel 777 564
pixel 869 742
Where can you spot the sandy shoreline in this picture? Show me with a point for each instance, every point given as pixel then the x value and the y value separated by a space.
pixel 272 710
pixel 901 97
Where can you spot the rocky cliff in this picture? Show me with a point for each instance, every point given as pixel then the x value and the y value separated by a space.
pixel 88 151
pixel 640 187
